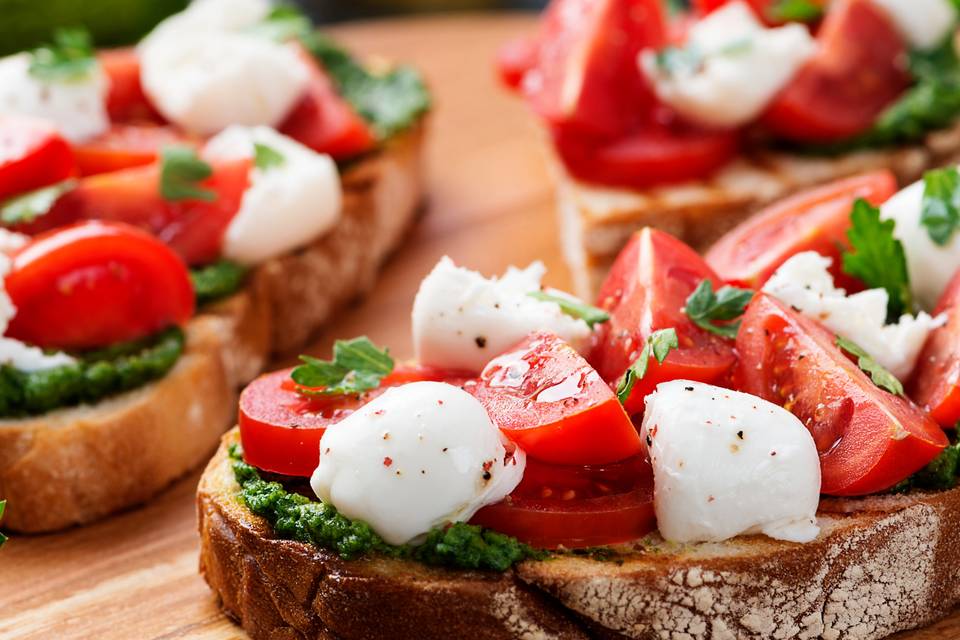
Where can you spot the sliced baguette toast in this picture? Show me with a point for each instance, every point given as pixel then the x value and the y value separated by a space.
pixel 880 565
pixel 596 221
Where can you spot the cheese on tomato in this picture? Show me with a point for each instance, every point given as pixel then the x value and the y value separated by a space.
pixel 804 283
pixel 76 106
pixel 730 68
pixel 462 320
pixel 292 199
pixel 417 457
pixel 924 24
pixel 929 264
pixel 207 80
pixel 727 463
pixel 209 15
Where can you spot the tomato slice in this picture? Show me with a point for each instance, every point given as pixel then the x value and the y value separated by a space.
pixel 586 77
pixel 515 58
pixel 95 284
pixel 813 220
pixel 856 72
pixel 126 101
pixel 868 439
pixel 554 405
pixel 580 506
pixel 935 383
pixel 651 155
pixel 125 146
pixel 323 120
pixel 192 228
pixel 33 154
pixel 281 428
pixel 646 291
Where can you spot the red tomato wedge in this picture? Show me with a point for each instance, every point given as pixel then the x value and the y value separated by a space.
pixel 586 77
pixel 126 101
pixel 125 146
pixel 95 284
pixel 33 154
pixel 868 439
pixel 646 291
pixel 515 58
pixel 857 71
pixel 323 120
pixel 192 228
pixel 576 506
pixel 554 405
pixel 935 383
pixel 281 428
pixel 813 220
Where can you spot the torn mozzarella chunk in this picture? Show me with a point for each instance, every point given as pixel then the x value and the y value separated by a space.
pixel 924 24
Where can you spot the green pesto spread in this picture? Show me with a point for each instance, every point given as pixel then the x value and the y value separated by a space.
pixel 941 474
pixel 94 376
pixel 217 281
pixel 297 517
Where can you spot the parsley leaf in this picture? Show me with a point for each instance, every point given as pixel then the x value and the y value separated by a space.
pixel 28 207
pixel 573 307
pixel 69 58
pixel 658 345
pixel 265 157
pixel 940 211
pixel 704 307
pixel 3 506
pixel 877 257
pixel 795 11
pixel 880 376
pixel 940 474
pixel 357 366
pixel 180 171
pixel 284 22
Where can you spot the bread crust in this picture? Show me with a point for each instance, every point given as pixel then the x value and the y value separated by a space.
pixel 881 565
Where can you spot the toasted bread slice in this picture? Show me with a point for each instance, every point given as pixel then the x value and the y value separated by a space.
pixel 881 565
pixel 596 221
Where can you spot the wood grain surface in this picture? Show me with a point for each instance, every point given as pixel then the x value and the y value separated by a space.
pixel 135 575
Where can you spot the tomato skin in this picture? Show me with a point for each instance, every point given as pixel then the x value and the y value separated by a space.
pixel 816 219
pixel 592 46
pixel 281 428
pixel 582 422
pixel 33 154
pixel 126 101
pixel 515 58
pixel 855 74
pixel 868 439
pixel 323 120
pixel 935 382
pixel 645 291
pixel 649 156
pixel 125 146
pixel 575 507
pixel 95 284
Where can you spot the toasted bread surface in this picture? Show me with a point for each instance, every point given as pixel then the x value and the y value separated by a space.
pixel 881 565
pixel 596 221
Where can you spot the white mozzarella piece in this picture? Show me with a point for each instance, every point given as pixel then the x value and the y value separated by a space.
pixel 924 24
pixel 727 463
pixel 417 457
pixel 286 206
pixel 209 15
pixel 462 320
pixel 206 81
pixel 804 283
pixel 77 107
pixel 743 66
pixel 930 265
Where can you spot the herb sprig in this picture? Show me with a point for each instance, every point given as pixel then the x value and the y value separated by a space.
pixel 706 308
pixel 940 208
pixel 69 58
pixel 657 345
pixel 573 307
pixel 26 208
pixel 181 171
pixel 880 376
pixel 357 366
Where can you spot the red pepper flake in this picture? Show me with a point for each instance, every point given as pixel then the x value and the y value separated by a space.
pixel 440 402
pixel 379 412
pixel 488 465
pixel 386 435
pixel 387 461
pixel 710 498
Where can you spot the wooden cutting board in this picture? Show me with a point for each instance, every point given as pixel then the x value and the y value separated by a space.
pixel 135 575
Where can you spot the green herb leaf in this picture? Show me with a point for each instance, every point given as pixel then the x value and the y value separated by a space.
pixel 28 207
pixel 880 376
pixel 657 345
pixel 69 58
pixel 180 172
pixel 284 22
pixel 573 307
pixel 3 506
pixel 357 366
pixel 877 257
pixel 940 210
pixel 795 11
pixel 265 157
pixel 942 473
pixel 679 60
pixel 705 308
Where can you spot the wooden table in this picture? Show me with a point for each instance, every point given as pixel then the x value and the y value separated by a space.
pixel 135 575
